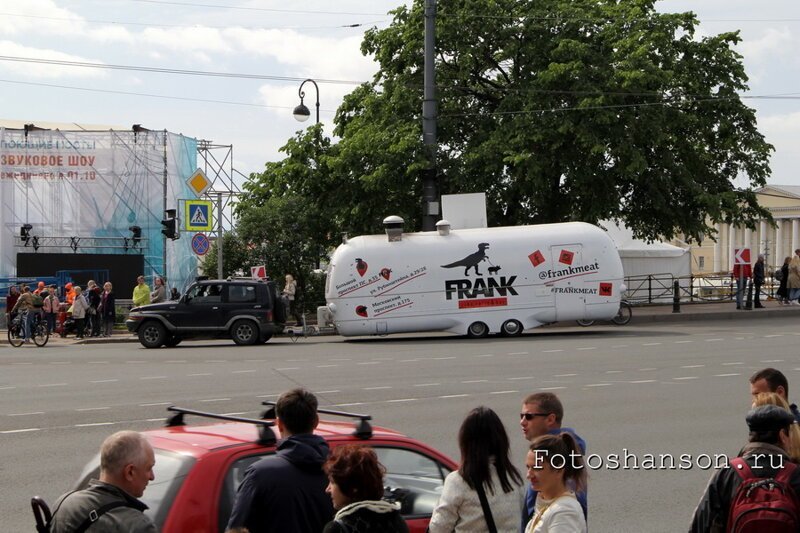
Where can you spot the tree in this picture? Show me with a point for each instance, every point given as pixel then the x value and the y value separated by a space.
pixel 559 110
pixel 236 255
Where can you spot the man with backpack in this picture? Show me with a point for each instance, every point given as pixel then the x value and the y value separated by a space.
pixel 758 491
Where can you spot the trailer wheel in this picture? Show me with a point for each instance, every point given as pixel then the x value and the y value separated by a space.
pixel 477 330
pixel 512 328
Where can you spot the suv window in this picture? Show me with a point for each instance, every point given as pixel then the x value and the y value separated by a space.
pixel 205 293
pixel 412 479
pixel 244 294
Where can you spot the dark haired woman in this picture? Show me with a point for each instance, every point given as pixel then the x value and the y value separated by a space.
pixel 355 483
pixel 485 465
pixel 555 464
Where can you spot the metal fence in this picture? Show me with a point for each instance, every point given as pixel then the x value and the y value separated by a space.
pixel 659 288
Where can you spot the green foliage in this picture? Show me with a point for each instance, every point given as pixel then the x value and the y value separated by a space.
pixel 236 255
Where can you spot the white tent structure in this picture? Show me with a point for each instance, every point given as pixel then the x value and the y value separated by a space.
pixel 650 268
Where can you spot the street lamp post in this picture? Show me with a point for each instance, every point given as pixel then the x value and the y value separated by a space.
pixel 301 112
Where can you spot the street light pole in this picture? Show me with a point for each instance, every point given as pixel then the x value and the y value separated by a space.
pixel 430 204
pixel 301 112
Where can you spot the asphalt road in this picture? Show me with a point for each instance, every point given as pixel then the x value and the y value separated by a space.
pixel 673 388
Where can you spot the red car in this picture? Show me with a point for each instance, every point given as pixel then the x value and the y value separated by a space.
pixel 199 468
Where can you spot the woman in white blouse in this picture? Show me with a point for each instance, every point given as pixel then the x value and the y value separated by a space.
pixel 554 464
pixel 485 462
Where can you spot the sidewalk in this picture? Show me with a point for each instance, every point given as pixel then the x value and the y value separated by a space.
pixel 641 315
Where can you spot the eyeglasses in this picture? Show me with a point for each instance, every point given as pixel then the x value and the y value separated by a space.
pixel 531 416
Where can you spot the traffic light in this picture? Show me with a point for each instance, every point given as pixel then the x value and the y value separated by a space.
pixel 170 224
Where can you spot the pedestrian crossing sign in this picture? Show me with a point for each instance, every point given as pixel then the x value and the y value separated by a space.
pixel 198 215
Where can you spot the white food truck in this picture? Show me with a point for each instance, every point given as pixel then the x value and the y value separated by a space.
pixel 472 281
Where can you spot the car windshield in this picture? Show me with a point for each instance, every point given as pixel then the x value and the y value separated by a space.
pixel 169 471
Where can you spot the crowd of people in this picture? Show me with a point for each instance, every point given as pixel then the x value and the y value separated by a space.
pixel 85 312
pixel 306 487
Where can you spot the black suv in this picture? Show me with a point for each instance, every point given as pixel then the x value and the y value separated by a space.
pixel 248 311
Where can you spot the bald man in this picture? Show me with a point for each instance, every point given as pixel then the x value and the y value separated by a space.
pixel 111 503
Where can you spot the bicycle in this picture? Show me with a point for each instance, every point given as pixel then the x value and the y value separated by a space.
pixel 622 317
pixel 39 331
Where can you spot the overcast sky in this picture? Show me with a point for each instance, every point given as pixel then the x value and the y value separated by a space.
pixel 294 40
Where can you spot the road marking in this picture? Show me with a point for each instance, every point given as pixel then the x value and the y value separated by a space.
pixel 27 414
pixel 476 381
pixel 348 404
pixel 521 378
pixel 485 355
pixel 268 395
pixel 442 358
pixel 685 378
pixel 693 366
pixel 643 381
pixel 598 385
pixel 237 413
pixel 216 400
pixel 242 371
pixel 454 396
pixel 23 364
pixel 565 375
pixel 620 346
pixel 53 385
pixel 518 353
pixel 19 431
pixel 93 409
pixel 408 360
pixel 683 342
pixel 377 388
pixel 587 348
pixel 435 384
pixel 288 368
pixel 647 369
pixel 155 419
pixel 614 371
pixel 154 377
pixel 328 391
pixel 651 344
pixel 402 400
pixel 7 388
pixel 772 361
pixel 725 375
pixel 154 404
pixel 200 374
pixel 326 366
pixel 769 337
pixel 714 340
pixel 505 392
pixel 732 364
pixel 94 424
pixel 552 351
pixel 551 388
pixel 104 381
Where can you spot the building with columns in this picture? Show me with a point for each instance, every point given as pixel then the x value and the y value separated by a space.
pixel 775 242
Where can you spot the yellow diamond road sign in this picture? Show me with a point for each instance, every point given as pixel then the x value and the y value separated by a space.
pixel 198 182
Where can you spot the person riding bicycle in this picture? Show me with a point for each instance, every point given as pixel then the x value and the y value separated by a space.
pixel 25 307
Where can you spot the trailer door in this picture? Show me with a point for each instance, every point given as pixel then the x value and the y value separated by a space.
pixel 568 281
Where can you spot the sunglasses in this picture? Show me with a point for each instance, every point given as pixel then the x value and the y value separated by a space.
pixel 531 416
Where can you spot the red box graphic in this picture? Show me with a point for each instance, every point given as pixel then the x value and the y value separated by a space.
pixel 605 289
pixel 566 257
pixel 536 258
pixel 483 302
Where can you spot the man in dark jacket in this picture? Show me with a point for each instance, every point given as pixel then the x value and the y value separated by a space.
pixel 110 503
pixel 766 456
pixel 286 491
pixel 758 280
pixel 773 380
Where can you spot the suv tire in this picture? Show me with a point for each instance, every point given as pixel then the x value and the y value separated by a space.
pixel 173 341
pixel 152 334
pixel 245 332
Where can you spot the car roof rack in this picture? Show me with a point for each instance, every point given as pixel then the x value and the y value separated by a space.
pixel 266 436
pixel 363 429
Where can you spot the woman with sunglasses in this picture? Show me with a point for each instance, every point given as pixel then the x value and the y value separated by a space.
pixel 485 467
pixel 555 464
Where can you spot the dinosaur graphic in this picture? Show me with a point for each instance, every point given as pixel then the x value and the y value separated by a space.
pixel 472 260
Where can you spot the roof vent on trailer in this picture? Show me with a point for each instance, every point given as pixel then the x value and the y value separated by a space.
pixel 444 227
pixel 394 227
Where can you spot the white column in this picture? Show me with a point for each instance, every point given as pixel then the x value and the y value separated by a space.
pixel 763 238
pixel 748 241
pixel 795 235
pixel 731 246
pixel 777 261
pixel 718 248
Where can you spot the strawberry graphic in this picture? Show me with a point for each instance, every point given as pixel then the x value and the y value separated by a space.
pixel 361 266
pixel 566 257
pixel 536 258
pixel 386 273
pixel 361 310
pixel 605 289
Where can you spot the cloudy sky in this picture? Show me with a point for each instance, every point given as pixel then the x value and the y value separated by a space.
pixel 279 39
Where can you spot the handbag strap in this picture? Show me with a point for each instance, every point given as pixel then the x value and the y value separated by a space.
pixel 487 512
